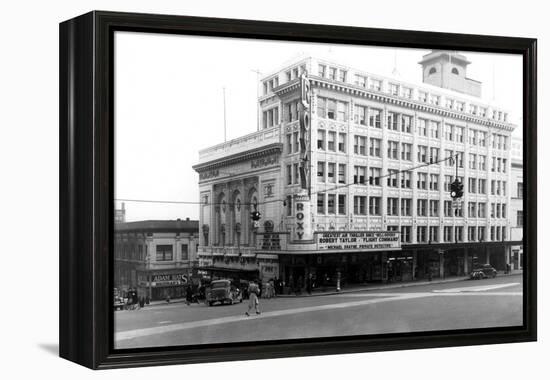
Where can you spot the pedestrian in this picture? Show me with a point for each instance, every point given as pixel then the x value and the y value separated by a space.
pixel 508 268
pixel 188 295
pixel 253 302
pixel 142 302
pixel 309 283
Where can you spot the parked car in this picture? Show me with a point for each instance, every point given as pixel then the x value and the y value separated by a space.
pixel 224 292
pixel 484 271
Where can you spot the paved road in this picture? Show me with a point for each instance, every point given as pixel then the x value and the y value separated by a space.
pixel 456 305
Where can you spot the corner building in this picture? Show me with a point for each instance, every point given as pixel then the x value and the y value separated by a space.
pixel 380 164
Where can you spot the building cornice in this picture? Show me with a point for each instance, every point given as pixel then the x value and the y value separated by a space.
pixel 239 157
pixel 398 101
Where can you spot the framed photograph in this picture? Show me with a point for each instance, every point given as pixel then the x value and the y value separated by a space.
pixel 235 189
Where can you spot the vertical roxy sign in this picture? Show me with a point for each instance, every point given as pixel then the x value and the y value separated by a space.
pixel 302 210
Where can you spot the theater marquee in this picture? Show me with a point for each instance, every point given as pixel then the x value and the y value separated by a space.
pixel 358 240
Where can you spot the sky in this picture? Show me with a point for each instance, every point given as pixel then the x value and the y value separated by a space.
pixel 169 103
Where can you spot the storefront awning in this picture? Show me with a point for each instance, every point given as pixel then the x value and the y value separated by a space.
pixel 227 270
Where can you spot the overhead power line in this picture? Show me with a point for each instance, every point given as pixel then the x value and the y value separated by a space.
pixel 284 200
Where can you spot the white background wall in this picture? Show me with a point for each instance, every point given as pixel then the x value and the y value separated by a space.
pixel 29 191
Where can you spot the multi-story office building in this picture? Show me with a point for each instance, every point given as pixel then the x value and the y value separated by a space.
pixel 516 203
pixel 381 156
pixel 156 257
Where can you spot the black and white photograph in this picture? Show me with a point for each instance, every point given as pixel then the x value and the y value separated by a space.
pixel 279 190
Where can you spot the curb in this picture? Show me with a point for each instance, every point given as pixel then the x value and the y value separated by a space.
pixel 383 287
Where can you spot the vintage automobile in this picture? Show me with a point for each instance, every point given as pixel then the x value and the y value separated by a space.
pixel 483 271
pixel 224 292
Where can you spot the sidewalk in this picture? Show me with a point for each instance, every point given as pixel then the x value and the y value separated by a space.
pixel 369 287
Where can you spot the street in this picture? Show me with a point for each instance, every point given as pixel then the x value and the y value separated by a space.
pixel 436 306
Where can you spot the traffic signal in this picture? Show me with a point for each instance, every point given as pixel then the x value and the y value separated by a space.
pixel 457 189
pixel 255 215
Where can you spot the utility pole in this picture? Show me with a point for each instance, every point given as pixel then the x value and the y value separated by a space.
pixel 224 119
pixel 258 73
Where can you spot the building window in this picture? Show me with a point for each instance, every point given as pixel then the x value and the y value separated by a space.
pixel 165 252
pixel 434 182
pixel 422 153
pixel 471 234
pixel 447 234
pixel 296 174
pixel 434 234
pixel 375 116
pixel 406 207
pixel 331 172
pixel 296 142
pixel 342 142
pixel 405 180
pixel 406 122
pixel 321 136
pixel 421 127
pixel 392 121
pixel 289 174
pixel 434 207
pixel 481 210
pixel 359 145
pixel 375 84
pixel 472 209
pixel 332 73
pixel 342 111
pixel 448 132
pixel 405 234
pixel 343 74
pixel 421 207
pixel 374 177
pixel 341 173
pixel 482 162
pixel 421 234
pixel 434 155
pixel 520 190
pixel 472 164
pixel 482 186
pixel 394 89
pixel 374 147
pixel 459 134
pixel 407 92
pixel 393 206
pixel 433 70
pixel 448 208
pixel 481 233
pixel 331 141
pixel 360 116
pixel 421 181
pixel 321 204
pixel 320 171
pixel 289 143
pixel 331 109
pixel 406 151
pixel 359 205
pixel 374 205
pixel 184 252
pixel 392 177
pixel 472 185
pixel 331 200
pixel 459 233
pixel 393 150
pixel 342 204
pixel 360 80
pixel 360 173
pixel 434 129
pixel 454 71
pixel 322 70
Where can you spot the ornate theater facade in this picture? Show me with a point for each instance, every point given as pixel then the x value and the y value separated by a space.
pixel 351 173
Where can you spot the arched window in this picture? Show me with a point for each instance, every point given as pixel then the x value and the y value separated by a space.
pixel 454 71
pixel 432 71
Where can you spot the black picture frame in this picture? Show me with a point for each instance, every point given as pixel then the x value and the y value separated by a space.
pixel 87 192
